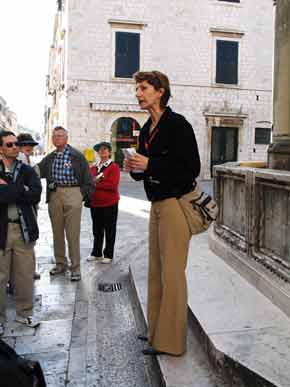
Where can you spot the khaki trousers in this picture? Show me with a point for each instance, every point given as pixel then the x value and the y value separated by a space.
pixel 65 208
pixel 169 238
pixel 19 259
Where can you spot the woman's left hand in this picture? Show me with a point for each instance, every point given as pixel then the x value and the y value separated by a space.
pixel 138 161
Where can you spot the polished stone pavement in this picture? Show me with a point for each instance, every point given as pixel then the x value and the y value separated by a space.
pixel 88 337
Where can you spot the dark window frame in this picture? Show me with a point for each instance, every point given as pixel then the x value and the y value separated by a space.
pixel 227 69
pixel 262 135
pixel 230 1
pixel 127 53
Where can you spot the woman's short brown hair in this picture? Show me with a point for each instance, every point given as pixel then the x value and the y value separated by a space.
pixel 158 80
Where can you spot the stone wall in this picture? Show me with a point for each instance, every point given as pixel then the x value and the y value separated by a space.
pixel 254 214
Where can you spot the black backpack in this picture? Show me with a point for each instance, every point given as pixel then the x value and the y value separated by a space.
pixel 15 371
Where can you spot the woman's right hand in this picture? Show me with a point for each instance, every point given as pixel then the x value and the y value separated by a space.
pixel 139 162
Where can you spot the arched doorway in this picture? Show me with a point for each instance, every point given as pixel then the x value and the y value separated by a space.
pixel 125 132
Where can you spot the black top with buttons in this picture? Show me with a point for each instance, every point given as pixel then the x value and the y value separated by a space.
pixel 174 161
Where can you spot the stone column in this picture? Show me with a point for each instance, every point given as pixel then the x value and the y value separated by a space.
pixel 279 150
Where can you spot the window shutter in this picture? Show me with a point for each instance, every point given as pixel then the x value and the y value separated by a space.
pixel 127 54
pixel 227 62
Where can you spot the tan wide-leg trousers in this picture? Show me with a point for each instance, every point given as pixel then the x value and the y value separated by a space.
pixel 65 208
pixel 17 258
pixel 169 238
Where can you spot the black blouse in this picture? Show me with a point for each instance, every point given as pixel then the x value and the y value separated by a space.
pixel 174 161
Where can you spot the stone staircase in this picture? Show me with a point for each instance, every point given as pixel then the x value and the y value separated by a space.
pixel 236 336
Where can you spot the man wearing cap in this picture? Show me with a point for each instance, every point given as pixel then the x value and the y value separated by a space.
pixel 104 204
pixel 69 182
pixel 26 145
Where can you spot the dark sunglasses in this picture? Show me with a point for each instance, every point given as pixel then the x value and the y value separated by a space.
pixel 10 144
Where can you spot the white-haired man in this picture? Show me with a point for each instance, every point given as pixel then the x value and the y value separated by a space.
pixel 69 182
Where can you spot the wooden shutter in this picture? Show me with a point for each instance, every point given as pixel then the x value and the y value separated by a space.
pixel 127 54
pixel 227 62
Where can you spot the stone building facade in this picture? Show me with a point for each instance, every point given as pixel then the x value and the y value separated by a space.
pixel 217 54
pixel 8 119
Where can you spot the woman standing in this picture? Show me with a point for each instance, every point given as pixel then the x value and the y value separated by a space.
pixel 168 155
pixel 104 204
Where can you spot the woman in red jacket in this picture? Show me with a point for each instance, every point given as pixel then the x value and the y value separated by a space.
pixel 104 204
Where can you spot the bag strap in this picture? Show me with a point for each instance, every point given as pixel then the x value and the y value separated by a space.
pixel 104 166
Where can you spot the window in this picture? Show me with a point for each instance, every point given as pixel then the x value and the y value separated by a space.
pixel 227 57
pixel 127 54
pixel 262 135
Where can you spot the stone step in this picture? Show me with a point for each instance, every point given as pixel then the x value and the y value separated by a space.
pixel 245 336
pixel 192 369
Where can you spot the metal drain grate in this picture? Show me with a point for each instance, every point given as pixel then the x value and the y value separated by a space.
pixel 105 287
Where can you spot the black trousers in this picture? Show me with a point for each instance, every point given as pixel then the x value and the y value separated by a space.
pixel 104 224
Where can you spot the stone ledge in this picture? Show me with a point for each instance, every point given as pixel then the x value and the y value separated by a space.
pixel 258 275
pixel 248 337
pixel 192 369
pixel 245 336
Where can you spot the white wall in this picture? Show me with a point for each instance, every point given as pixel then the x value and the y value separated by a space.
pixel 176 39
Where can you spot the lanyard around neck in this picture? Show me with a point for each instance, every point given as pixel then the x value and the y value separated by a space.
pixel 151 137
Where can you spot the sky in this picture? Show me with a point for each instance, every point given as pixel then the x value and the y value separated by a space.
pixel 26 29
